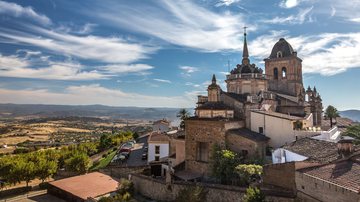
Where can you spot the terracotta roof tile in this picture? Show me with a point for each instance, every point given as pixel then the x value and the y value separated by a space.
pixel 89 185
pixel 344 173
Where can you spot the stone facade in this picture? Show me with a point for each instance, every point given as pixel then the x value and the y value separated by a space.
pixel 239 144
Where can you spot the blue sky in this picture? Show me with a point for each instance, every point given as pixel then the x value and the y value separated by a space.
pixel 163 53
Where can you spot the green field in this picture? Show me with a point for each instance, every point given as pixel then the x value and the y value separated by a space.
pixel 103 162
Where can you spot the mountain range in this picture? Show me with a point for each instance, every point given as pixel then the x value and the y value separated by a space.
pixel 352 114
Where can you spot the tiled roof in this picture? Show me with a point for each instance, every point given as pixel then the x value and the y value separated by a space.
pixel 158 137
pixel 316 150
pixel 214 106
pixel 279 115
pixel 341 123
pixel 343 173
pixel 246 133
pixel 89 185
pixel 238 97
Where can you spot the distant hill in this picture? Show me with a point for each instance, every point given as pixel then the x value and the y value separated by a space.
pixel 98 111
pixel 351 114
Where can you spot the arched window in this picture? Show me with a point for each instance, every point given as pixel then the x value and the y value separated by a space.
pixel 279 54
pixel 283 72
pixel 276 74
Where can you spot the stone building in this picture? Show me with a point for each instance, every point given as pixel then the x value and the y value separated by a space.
pixel 224 117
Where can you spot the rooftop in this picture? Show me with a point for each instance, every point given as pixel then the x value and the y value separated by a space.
pixel 214 106
pixel 158 137
pixel 341 123
pixel 343 173
pixel 278 115
pixel 315 150
pixel 246 133
pixel 89 185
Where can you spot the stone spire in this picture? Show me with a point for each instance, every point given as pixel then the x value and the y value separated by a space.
pixel 245 55
pixel 213 81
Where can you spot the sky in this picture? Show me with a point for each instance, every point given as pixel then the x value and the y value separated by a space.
pixel 162 53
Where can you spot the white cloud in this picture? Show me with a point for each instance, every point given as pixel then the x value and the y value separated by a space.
pixel 226 2
pixel 12 66
pixel 72 28
pixel 91 94
pixel 300 18
pixel 289 3
pixel 17 10
pixel 355 20
pixel 105 49
pixel 188 70
pixel 126 68
pixel 326 53
pixel 162 80
pixel 183 23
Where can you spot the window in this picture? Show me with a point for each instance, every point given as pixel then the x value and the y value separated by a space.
pixel 283 72
pixel 202 151
pixel 279 54
pixel 157 149
pixel 276 73
pixel 261 130
pixel 157 158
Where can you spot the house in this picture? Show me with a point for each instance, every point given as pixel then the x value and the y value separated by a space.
pixel 84 187
pixel 161 126
pixel 280 128
pixel 158 146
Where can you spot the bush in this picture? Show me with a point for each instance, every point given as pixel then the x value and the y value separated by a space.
pixel 254 194
pixel 104 155
pixel 21 150
pixel 197 194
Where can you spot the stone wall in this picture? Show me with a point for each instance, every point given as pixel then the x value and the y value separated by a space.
pixel 313 189
pixel 238 143
pixel 280 175
pixel 158 190
pixel 209 131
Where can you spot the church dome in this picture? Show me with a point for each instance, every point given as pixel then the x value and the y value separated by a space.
pixel 281 49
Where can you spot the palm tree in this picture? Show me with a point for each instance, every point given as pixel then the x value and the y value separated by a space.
pixel 183 114
pixel 331 112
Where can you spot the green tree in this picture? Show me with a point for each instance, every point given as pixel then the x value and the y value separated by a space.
pixel 223 164
pixel 135 135
pixel 353 131
pixel 46 168
pixel 248 172
pixel 183 114
pixel 105 142
pixel 254 194
pixel 197 194
pixel 28 171
pixel 331 113
pixel 79 162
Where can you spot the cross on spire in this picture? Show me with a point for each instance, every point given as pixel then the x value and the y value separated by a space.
pixel 245 30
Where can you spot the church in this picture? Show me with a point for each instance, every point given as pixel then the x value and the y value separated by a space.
pixel 258 110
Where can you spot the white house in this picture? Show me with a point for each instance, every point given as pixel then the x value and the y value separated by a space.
pixel 161 126
pixel 281 128
pixel 158 146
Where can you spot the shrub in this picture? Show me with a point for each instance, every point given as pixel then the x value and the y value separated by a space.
pixel 197 194
pixel 254 194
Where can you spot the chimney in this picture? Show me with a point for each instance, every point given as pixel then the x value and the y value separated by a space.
pixel 345 146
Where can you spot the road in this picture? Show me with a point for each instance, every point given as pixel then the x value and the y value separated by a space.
pixel 136 153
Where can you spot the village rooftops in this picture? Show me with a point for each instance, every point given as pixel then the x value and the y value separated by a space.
pixel 246 133
pixel 340 122
pixel 158 137
pixel 344 173
pixel 316 150
pixel 89 185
